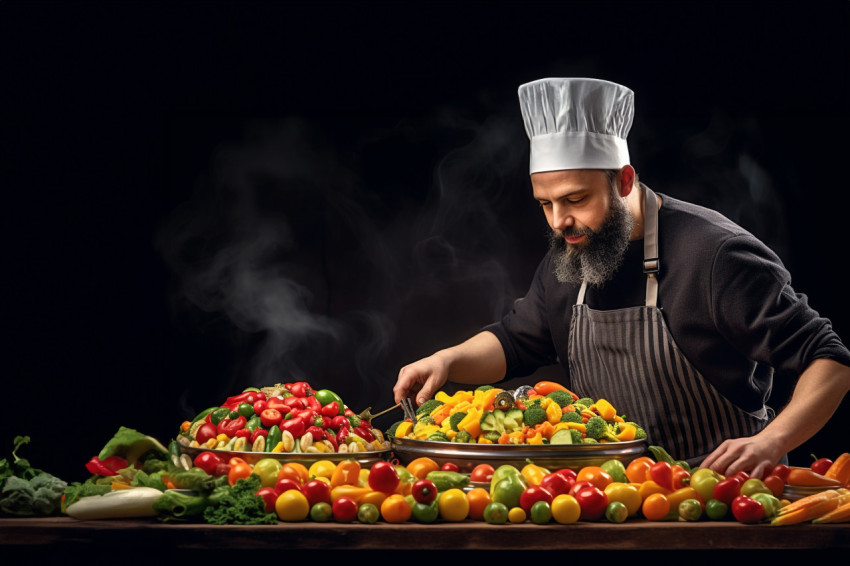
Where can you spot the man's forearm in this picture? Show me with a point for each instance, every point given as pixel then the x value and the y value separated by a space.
pixel 477 361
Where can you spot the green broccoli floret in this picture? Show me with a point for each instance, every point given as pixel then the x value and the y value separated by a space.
pixel 354 420
pixel 484 388
pixel 571 417
pixel 610 433
pixel 588 440
pixel 562 398
pixel 534 414
pixel 392 428
pixel 640 433
pixel 585 402
pixel 426 419
pixel 596 427
pixel 438 436
pixel 463 436
pixel 428 406
pixel 577 437
pixel 455 418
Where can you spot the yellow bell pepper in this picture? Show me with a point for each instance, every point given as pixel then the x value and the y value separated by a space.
pixel 627 432
pixel 482 440
pixel 347 472
pixel 553 413
pixel 605 409
pixel 537 438
pixel 404 429
pixel 533 473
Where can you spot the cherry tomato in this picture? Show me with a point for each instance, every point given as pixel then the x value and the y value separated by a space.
pixel 292 506
pixel 426 512
pixel 780 470
pixel 269 495
pixel 267 469
pixel 344 509
pixel 450 467
pixel 753 486
pixel 368 513
pixel 206 432
pixel 776 484
pixel 270 417
pixel 479 498
pixel 453 505
pixel 595 475
pixel 395 509
pixel 532 494
pixel 260 406
pixel 690 510
pixel 207 461
pixel 626 494
pixel 656 507
pixel 747 510
pixel 321 512
pixel 565 509
pixel 616 512
pixel 383 477
pixel 579 485
pixel 496 513
pixel 316 490
pixel 820 465
pixel 716 510
pixel 638 469
pixel 662 474
pixel 727 490
pixel 540 512
pixel 482 473
pixel 424 491
pixel 592 501
pixel 285 484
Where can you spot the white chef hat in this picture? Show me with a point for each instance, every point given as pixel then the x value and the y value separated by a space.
pixel 576 123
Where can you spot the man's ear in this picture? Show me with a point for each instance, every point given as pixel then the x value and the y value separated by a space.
pixel 627 180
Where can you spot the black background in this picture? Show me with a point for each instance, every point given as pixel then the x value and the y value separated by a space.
pixel 204 196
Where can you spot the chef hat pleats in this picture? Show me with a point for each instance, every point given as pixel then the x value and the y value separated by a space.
pixel 576 123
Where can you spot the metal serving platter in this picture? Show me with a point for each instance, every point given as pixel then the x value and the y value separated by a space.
pixel 795 492
pixel 364 458
pixel 467 456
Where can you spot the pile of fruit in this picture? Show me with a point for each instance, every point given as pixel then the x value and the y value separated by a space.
pixel 547 413
pixel 287 417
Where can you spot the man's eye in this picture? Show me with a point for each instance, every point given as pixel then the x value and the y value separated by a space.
pixel 545 204
pixel 575 201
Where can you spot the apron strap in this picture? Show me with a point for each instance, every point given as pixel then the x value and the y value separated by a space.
pixel 651 263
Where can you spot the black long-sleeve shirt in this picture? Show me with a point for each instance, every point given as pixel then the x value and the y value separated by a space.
pixel 726 297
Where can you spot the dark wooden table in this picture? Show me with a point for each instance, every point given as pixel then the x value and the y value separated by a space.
pixel 145 539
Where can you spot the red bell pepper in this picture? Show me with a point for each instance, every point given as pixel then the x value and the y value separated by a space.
pixel 257 433
pixel 295 426
pixel 318 433
pixel 294 403
pixel 208 462
pixel 314 403
pixel 338 422
pixel 230 426
pixel 364 433
pixel 106 467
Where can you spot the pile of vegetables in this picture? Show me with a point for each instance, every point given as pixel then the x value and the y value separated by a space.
pixel 26 491
pixel 284 418
pixel 547 413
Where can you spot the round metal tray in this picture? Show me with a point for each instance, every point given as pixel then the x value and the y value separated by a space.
pixel 467 456
pixel 364 458
pixel 795 492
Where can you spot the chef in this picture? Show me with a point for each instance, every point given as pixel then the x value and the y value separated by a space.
pixel 679 317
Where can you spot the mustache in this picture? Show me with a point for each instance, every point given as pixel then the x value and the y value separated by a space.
pixel 572 232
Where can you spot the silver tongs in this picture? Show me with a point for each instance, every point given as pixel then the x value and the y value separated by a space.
pixel 409 409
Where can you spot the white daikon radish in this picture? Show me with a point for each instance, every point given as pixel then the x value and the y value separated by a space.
pixel 120 503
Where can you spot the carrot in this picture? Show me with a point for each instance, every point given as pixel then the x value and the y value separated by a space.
pixel 840 514
pixel 840 469
pixel 808 508
pixel 806 477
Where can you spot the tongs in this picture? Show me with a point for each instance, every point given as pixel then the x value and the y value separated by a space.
pixel 406 406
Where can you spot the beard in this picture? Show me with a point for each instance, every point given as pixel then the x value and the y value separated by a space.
pixel 600 256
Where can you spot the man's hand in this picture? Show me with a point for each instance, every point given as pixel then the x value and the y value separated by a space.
pixel 423 378
pixel 743 454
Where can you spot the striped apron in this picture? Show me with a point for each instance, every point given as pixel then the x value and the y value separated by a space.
pixel 628 357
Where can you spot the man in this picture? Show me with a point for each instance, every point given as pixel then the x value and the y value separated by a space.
pixel 676 315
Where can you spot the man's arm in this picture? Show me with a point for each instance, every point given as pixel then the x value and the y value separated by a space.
pixel 817 395
pixel 476 361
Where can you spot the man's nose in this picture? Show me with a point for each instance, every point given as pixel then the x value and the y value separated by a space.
pixel 561 218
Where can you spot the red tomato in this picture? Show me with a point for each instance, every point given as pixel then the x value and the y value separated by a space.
pixel 450 467
pixel 316 491
pixel 780 470
pixel 592 501
pixel 727 490
pixel 270 417
pixel 269 495
pixel 579 485
pixel 205 432
pixel 557 483
pixel 776 484
pixel 344 509
pixel 424 491
pixel 532 495
pixel 821 465
pixel 260 406
pixel 662 474
pixel 747 510
pixel 383 477
pixel 482 473
pixel 285 483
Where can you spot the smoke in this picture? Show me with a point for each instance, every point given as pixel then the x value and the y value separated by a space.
pixel 336 266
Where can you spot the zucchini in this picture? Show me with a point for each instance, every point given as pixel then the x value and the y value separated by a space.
pixel 563 436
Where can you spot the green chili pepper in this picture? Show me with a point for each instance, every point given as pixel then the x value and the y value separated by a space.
pixel 274 437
